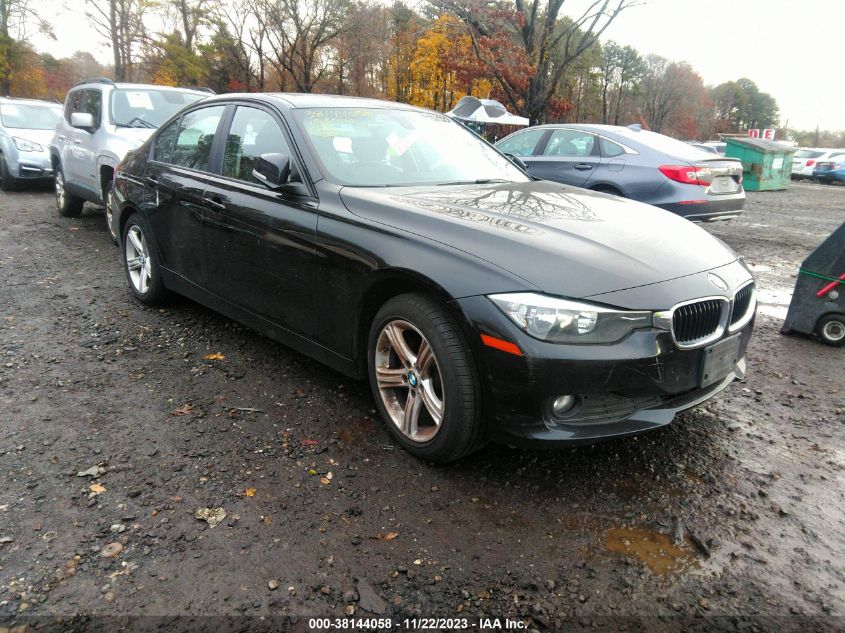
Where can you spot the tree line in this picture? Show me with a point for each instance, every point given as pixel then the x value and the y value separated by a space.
pixel 538 61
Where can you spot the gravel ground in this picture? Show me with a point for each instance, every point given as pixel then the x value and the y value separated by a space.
pixel 119 422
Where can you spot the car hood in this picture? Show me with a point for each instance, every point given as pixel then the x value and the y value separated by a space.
pixel 36 136
pixel 135 136
pixel 561 240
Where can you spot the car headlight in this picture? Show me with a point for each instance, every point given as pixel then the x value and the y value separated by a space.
pixel 564 321
pixel 26 146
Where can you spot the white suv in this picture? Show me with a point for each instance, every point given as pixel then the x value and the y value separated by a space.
pixel 102 121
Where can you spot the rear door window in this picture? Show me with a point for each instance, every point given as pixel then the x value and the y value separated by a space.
pixel 609 149
pixel 197 130
pixel 571 143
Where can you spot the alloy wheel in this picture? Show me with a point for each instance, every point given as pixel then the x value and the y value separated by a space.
pixel 138 259
pixel 409 381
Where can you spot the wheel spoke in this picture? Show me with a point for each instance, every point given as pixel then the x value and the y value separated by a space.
pixel 390 378
pixel 425 356
pixel 397 341
pixel 411 418
pixel 432 403
pixel 136 243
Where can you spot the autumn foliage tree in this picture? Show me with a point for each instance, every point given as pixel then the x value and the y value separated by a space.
pixel 528 46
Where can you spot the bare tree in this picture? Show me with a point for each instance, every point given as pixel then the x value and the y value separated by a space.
pixel 191 14
pixel 538 37
pixel 298 32
pixel 121 24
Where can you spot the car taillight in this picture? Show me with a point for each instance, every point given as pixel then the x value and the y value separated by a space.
pixel 811 162
pixel 687 174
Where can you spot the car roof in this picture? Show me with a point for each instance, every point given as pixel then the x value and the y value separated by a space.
pixel 309 100
pixel 30 101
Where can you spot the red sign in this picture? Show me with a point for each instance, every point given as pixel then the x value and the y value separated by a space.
pixel 755 133
pixel 769 134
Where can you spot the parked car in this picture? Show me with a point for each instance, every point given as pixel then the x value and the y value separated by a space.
pixel 102 121
pixel 389 242
pixel 713 147
pixel 804 161
pixel 26 126
pixel 828 171
pixel 633 163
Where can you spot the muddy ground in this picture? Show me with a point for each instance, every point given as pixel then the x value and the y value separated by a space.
pixel 731 518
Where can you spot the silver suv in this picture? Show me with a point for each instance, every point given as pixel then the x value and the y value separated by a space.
pixel 102 121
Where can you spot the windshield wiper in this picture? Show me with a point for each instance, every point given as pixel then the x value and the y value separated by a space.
pixel 477 181
pixel 131 123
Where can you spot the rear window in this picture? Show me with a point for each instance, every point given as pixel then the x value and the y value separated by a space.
pixel 808 153
pixel 668 145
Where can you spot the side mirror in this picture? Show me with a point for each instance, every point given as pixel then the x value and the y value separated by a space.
pixel 272 170
pixel 82 120
pixel 516 160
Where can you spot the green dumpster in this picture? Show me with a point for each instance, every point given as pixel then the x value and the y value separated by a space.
pixel 766 165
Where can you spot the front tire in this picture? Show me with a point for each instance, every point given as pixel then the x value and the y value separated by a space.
pixel 140 262
pixel 69 206
pixel 7 182
pixel 831 329
pixel 424 379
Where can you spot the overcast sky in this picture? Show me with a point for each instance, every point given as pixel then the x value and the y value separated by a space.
pixel 792 49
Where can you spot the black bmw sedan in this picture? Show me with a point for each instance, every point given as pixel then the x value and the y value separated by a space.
pixel 388 242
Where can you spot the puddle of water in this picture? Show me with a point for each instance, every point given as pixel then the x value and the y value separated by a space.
pixel 655 550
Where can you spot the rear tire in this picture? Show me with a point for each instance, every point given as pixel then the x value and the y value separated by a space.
pixel 140 262
pixel 428 392
pixel 69 206
pixel 831 329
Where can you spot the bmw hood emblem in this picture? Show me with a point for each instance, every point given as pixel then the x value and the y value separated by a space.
pixel 717 281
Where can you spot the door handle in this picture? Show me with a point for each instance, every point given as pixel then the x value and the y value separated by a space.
pixel 62 137
pixel 151 180
pixel 215 203
pixel 583 166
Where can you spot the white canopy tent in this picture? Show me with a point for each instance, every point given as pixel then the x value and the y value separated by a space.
pixel 474 110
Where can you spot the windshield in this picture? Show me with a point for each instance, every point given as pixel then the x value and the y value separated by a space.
pixel 30 117
pixel 149 108
pixel 666 145
pixel 808 153
pixel 375 147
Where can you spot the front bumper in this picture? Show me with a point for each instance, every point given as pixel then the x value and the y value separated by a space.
pixel 628 387
pixel 31 166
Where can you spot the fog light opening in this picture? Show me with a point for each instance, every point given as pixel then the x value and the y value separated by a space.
pixel 562 405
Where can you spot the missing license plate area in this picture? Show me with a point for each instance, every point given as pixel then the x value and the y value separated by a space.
pixel 724 184
pixel 719 360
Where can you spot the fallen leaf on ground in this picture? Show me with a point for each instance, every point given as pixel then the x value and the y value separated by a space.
pixel 212 516
pixel 310 442
pixel 185 409
pixel 385 537
pixel 325 481
pixel 97 489
pixel 214 356
pixel 249 492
